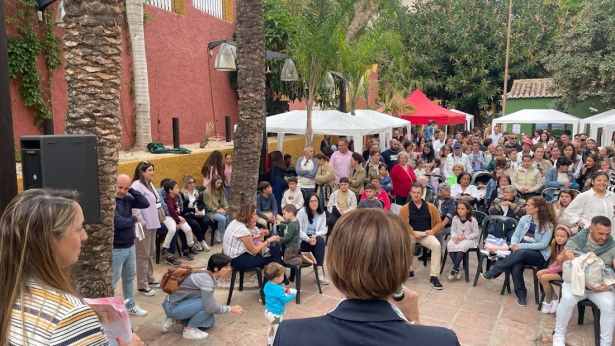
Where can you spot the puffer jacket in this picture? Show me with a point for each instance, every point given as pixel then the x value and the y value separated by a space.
pixel 527 178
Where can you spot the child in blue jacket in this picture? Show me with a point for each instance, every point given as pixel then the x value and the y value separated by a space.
pixel 276 298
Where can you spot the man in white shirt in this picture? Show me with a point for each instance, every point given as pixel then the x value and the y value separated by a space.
pixel 306 171
pixel 495 136
pixel 439 143
pixel 456 157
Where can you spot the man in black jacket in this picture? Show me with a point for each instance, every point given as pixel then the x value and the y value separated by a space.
pixel 124 258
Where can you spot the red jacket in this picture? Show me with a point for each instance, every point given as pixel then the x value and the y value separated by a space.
pixel 383 196
pixel 173 205
pixel 402 180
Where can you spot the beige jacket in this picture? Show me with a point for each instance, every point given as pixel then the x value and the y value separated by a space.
pixel 358 176
pixel 530 179
pixel 325 176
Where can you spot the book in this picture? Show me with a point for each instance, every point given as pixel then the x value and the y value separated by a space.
pixel 113 317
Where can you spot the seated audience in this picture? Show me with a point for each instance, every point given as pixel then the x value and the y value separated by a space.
pixel 369 315
pixel 385 181
pixel 554 271
pixel 293 195
pixel 564 199
pixel 177 222
pixel 598 240
pixel 465 234
pixel 370 200
pixel 40 305
pixel 216 206
pixel 194 303
pixel 492 185
pixel 587 170
pixel 425 223
pixel 194 210
pixel 558 177
pixel 527 179
pixel 593 202
pixel 266 206
pixel 429 193
pixel 340 202
pixel 511 162
pixel 446 209
pixel 381 194
pixel 313 223
pixel 509 205
pixel 529 245
pixel 539 161
pixel 463 190
pixel 452 179
pixel 372 165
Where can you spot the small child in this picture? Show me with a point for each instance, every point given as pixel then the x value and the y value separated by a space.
pixel 554 271
pixel 420 169
pixel 172 202
pixel 293 195
pixel 464 235
pixel 370 201
pixel 257 239
pixel 292 253
pixel 276 297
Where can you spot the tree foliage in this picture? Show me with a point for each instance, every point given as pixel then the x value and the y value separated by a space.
pixel 583 64
pixel 456 49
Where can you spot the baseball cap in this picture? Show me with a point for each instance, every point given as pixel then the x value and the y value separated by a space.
pixel 457 145
pixel 528 141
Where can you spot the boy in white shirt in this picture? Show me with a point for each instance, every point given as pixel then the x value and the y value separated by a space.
pixel 293 195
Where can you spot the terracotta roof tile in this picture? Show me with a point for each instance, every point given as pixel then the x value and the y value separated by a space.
pixel 532 88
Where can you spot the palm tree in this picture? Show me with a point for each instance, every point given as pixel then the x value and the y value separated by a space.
pixel 93 46
pixel 134 16
pixel 251 88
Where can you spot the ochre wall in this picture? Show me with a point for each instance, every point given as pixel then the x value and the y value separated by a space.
pixel 182 81
pixel 176 166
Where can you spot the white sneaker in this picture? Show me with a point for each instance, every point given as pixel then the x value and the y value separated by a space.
pixel 205 246
pixel 197 246
pixel 167 325
pixel 322 278
pixel 546 308
pixel 147 291
pixel 136 310
pixel 194 334
pixel 218 236
pixel 554 304
pixel 558 340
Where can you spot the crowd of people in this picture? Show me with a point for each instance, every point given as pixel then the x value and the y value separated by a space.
pixel 560 193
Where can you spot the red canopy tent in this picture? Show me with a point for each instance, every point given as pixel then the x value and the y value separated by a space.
pixel 427 110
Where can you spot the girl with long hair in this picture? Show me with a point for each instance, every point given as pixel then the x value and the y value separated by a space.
pixel 216 206
pixel 554 271
pixel 464 236
pixel 569 152
pixel 214 165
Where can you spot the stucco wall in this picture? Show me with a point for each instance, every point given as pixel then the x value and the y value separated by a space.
pixel 182 81
pixel 176 166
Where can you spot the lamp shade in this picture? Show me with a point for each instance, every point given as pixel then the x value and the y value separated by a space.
pixel 289 71
pixel 60 15
pixel 42 4
pixel 329 82
pixel 225 60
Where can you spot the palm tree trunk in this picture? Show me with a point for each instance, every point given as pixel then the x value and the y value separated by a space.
pixel 134 15
pixel 363 11
pixel 251 83
pixel 93 46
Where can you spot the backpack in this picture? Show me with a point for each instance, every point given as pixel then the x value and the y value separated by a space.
pixel 175 276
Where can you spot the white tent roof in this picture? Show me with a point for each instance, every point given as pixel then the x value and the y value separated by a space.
pixel 596 118
pixel 333 122
pixel 469 119
pixel 538 116
pixel 607 123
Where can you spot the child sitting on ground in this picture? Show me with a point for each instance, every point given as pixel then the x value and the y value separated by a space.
pixel 554 271
pixel 293 195
pixel 370 200
pixel 292 253
pixel 276 297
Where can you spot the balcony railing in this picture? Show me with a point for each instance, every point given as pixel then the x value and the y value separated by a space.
pixel 219 8
pixel 164 4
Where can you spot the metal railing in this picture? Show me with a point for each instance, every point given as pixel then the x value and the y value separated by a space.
pixel 164 4
pixel 214 7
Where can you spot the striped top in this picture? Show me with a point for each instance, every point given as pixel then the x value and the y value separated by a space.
pixel 51 318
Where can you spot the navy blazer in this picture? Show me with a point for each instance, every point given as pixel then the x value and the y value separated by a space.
pixel 361 322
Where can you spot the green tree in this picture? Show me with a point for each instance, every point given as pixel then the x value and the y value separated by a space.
pixel 583 65
pixel 457 48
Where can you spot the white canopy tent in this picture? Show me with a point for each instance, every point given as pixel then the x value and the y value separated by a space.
pixel 333 122
pixel 538 116
pixel 469 119
pixel 595 118
pixel 607 123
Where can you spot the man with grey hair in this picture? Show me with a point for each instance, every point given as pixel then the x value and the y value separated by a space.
pixel 340 160
pixel 306 171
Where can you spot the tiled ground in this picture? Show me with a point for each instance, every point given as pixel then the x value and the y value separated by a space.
pixel 479 315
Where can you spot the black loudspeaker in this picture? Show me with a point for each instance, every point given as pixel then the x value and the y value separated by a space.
pixel 63 162
pixel 42 4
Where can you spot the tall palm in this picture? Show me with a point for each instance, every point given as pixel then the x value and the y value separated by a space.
pixel 134 16
pixel 251 88
pixel 93 46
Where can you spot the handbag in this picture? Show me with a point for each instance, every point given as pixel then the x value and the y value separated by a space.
pixel 161 215
pixel 327 191
pixel 493 244
pixel 592 268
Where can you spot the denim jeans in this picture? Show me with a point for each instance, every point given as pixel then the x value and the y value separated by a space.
pixel 125 266
pixel 221 219
pixel 515 262
pixel 190 311
pixel 605 302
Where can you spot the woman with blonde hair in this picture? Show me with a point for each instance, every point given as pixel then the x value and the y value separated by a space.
pixel 41 234
pixel 216 206
pixel 194 210
pixel 378 309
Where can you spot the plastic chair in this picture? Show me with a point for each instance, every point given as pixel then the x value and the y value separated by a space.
pixel 557 283
pixel 595 311
pixel 259 277
pixel 480 217
pixel 500 225
pixel 535 269
pixel 295 275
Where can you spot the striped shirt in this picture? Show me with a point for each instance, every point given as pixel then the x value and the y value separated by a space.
pixel 233 247
pixel 51 318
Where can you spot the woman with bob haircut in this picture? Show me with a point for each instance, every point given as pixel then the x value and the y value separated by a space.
pixel 378 309
pixel 41 233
